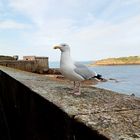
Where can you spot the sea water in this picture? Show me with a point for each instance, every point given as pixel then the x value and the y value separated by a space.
pixel 126 77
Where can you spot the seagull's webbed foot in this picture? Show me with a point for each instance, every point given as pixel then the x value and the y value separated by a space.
pixel 77 93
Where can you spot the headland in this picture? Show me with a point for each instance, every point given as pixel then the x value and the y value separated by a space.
pixel 131 60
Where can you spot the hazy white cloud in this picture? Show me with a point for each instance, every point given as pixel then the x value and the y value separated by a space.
pixel 33 9
pixel 130 2
pixel 88 26
pixel 9 24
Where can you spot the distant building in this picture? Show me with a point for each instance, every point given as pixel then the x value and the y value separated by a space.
pixel 29 63
pixel 30 58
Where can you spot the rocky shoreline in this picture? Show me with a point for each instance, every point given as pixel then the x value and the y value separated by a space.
pixel 117 116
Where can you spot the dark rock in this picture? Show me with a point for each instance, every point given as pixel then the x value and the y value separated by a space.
pixel 132 94
pixel 53 71
pixel 16 57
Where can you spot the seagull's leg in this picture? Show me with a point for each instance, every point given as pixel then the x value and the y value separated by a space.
pixel 74 87
pixel 77 90
pixel 74 84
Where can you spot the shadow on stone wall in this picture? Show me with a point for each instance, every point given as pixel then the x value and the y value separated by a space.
pixel 25 115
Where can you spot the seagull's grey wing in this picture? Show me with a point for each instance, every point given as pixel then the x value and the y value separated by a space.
pixel 83 71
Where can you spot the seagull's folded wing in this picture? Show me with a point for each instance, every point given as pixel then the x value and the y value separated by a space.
pixel 83 71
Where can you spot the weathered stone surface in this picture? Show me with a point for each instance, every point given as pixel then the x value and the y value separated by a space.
pixel 2 57
pixel 115 115
pixel 25 115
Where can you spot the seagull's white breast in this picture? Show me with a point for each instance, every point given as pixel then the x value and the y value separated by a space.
pixel 68 72
pixel 67 67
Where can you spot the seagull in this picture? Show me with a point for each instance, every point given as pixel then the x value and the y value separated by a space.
pixel 74 71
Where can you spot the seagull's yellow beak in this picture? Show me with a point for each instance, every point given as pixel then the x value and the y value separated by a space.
pixel 56 47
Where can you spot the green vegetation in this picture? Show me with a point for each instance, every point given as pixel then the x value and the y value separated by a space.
pixel 131 60
pixel 127 59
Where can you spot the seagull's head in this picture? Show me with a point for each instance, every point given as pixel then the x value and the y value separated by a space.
pixel 63 47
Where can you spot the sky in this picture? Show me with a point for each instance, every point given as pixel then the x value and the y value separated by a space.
pixel 94 29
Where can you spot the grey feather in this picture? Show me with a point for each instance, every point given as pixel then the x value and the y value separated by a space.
pixel 83 71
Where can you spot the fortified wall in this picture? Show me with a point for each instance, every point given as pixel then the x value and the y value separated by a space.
pixel 29 63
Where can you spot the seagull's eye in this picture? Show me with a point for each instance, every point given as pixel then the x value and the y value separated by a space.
pixel 64 45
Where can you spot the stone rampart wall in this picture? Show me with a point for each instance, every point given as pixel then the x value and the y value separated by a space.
pixel 30 66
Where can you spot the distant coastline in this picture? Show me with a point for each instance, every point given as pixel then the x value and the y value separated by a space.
pixel 131 60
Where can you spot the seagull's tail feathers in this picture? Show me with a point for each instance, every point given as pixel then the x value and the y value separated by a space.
pixel 98 77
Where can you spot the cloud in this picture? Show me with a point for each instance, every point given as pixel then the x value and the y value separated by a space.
pixel 101 39
pixel 9 24
pixel 33 9
pixel 130 2
pixel 96 28
pixel 105 39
